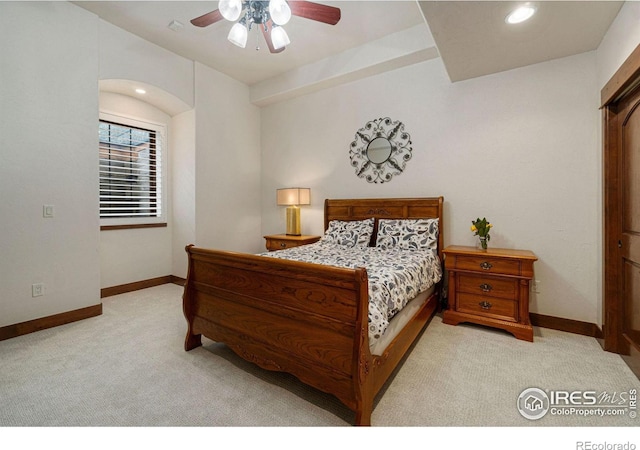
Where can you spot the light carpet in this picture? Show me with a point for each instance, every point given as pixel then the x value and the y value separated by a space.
pixel 128 368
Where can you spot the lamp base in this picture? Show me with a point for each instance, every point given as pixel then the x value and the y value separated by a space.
pixel 293 221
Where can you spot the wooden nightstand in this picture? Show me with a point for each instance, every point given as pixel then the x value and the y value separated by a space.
pixel 282 241
pixel 490 287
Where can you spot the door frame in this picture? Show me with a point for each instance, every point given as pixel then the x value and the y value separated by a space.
pixel 625 80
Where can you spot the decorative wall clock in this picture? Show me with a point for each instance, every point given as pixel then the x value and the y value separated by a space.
pixel 380 150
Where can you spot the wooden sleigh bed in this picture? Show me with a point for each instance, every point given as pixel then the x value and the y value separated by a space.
pixel 305 319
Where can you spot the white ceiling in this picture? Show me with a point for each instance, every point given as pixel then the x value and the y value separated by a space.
pixel 471 37
pixel 474 39
pixel 361 22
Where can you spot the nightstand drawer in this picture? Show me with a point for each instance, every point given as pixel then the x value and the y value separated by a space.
pixel 488 265
pixel 276 244
pixel 487 286
pixel 487 306
pixel 282 241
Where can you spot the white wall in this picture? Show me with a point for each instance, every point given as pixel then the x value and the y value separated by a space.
pixel 519 147
pixel 622 37
pixel 124 55
pixel 183 186
pixel 54 56
pixel 227 164
pixel 48 141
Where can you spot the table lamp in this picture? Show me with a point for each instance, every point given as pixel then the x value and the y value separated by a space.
pixel 292 198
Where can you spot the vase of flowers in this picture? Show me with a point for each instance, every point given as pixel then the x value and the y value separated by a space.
pixel 481 228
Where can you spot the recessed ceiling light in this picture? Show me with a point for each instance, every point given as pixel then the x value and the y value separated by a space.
pixel 141 91
pixel 520 14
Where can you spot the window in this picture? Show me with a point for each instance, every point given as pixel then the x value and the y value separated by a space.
pixel 131 175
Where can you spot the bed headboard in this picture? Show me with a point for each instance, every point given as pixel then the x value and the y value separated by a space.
pixel 386 208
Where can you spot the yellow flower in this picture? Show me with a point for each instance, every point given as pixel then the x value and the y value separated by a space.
pixel 473 228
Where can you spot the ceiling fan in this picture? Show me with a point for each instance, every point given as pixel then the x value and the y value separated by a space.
pixel 269 15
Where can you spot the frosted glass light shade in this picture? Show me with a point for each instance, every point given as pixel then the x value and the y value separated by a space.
pixel 238 35
pixel 279 38
pixel 279 11
pixel 230 9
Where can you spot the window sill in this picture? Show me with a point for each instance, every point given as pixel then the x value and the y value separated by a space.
pixel 131 227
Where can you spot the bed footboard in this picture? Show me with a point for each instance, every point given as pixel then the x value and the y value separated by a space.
pixel 304 319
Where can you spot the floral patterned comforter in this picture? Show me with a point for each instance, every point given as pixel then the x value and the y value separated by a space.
pixel 395 276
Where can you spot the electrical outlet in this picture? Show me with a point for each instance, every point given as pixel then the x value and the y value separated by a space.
pixel 37 290
pixel 535 286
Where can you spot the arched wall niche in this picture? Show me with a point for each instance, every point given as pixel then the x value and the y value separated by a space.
pixel 161 249
pixel 161 99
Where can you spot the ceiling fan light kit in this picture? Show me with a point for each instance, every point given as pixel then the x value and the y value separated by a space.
pixel 270 15
pixel 276 12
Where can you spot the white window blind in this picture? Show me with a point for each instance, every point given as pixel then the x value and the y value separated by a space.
pixel 130 172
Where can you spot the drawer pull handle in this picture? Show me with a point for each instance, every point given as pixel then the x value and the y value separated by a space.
pixel 283 245
pixel 485 305
pixel 485 287
pixel 486 265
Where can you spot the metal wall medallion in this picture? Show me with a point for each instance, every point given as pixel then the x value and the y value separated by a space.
pixel 381 150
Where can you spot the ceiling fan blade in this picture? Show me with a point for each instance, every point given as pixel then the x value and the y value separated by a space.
pixel 267 37
pixel 315 11
pixel 207 19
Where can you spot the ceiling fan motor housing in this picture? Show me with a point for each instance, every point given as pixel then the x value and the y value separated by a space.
pixel 257 10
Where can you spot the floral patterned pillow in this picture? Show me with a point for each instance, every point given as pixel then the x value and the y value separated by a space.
pixel 407 234
pixel 354 233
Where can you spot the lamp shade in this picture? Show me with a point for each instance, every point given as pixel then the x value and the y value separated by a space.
pixel 293 196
